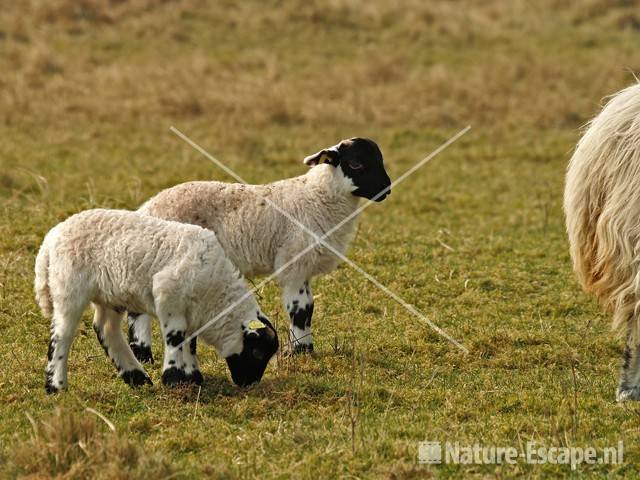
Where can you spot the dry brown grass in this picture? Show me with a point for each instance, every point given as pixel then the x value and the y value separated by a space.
pixel 493 76
pixel 71 445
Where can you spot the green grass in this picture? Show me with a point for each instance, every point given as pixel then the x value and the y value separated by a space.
pixel 87 95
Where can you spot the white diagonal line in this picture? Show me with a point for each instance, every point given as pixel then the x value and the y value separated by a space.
pixel 321 240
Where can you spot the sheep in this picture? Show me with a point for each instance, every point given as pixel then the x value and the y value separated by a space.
pixel 120 260
pixel 260 240
pixel 602 208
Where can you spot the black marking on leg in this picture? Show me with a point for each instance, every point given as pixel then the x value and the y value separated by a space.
pixel 133 338
pixel 136 378
pixel 131 320
pixel 175 337
pixel 173 376
pixel 194 377
pixel 49 387
pixel 51 348
pixel 142 352
pixel 301 317
pixel 193 345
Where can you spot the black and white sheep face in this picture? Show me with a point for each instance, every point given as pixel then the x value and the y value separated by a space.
pixel 260 343
pixel 361 162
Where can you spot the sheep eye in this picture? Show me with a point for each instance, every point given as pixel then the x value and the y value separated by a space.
pixel 355 165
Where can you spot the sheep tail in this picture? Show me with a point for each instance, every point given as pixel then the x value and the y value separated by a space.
pixel 602 208
pixel 41 287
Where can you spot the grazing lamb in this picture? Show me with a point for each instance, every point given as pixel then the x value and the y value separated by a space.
pixel 602 208
pixel 120 261
pixel 260 240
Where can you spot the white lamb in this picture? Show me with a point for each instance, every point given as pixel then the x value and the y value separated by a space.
pixel 120 261
pixel 260 240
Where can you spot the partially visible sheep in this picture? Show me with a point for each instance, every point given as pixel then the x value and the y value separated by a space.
pixel 602 208
pixel 120 261
pixel 260 240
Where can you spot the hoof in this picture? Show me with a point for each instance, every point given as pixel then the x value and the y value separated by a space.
pixel 136 378
pixel 173 376
pixel 142 352
pixel 194 377
pixel 302 348
pixel 50 388
pixel 49 385
pixel 628 394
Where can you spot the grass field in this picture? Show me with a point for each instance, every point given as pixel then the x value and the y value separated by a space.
pixel 475 239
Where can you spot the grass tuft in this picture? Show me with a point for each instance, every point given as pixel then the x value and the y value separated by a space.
pixel 75 445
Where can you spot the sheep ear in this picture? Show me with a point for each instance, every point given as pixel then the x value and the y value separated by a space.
pixel 328 155
pixel 256 329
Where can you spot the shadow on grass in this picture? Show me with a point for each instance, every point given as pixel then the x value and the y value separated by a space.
pixel 215 387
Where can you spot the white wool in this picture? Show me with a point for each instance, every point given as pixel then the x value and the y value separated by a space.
pixel 126 260
pixel 256 237
pixel 602 207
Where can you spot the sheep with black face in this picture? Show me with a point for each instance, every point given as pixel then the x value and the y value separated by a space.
pixel 119 260
pixel 260 240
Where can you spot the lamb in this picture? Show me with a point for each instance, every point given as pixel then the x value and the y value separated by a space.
pixel 120 260
pixel 602 208
pixel 260 240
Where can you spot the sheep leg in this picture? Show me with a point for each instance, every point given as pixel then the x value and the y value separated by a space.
pixel 64 323
pixel 629 384
pixel 140 336
pixel 191 366
pixel 174 329
pixel 106 324
pixel 298 301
